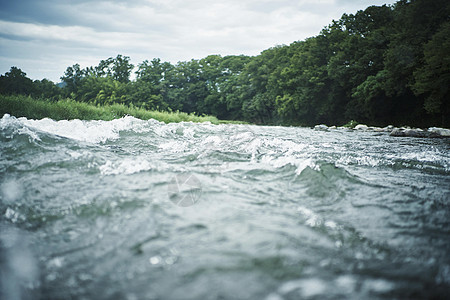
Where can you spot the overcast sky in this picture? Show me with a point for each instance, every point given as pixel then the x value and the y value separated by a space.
pixel 44 37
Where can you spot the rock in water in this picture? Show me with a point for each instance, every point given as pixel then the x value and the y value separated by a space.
pixel 397 132
pixel 409 132
pixel 415 133
pixel 321 127
pixel 433 132
pixel 361 127
pixel 440 131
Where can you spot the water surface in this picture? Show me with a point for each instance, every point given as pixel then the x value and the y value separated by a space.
pixel 133 209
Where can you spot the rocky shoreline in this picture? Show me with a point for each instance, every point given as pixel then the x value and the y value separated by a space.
pixel 432 132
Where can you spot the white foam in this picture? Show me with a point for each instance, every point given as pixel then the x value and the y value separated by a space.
pixel 93 131
pixel 331 224
pixel 279 162
pixel 56 262
pixel 314 220
pixel 346 282
pixel 87 131
pixel 6 120
pixel 378 285
pixel 13 215
pixel 155 260
pixel 175 146
pixel 308 287
pixel 126 166
pixel 18 128
pixel 10 190
pixel 213 140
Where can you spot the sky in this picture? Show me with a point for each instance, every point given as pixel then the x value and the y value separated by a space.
pixel 44 37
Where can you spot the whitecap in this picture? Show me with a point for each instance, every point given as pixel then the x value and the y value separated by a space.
pixel 87 131
pixel 307 287
pixel 175 146
pixel 17 127
pixel 126 166
pixel 14 216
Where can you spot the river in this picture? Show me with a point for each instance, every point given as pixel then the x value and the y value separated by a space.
pixel 132 209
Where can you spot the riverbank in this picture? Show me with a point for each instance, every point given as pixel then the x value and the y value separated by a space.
pixel 432 132
pixel 31 108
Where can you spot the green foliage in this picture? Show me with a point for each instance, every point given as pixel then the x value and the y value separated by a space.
pixel 16 82
pixel 433 78
pixel 46 89
pixel 351 124
pixel 67 109
pixel 72 78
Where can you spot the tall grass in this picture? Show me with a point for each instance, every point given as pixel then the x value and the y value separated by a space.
pixel 23 106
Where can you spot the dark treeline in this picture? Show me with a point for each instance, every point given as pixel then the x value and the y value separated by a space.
pixel 384 65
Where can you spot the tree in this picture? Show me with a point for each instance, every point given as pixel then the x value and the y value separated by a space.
pixel 118 68
pixel 122 68
pixel 72 78
pixel 415 22
pixel 433 79
pixel 46 89
pixel 16 82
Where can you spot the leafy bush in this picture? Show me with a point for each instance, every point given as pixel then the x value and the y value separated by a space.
pixel 351 124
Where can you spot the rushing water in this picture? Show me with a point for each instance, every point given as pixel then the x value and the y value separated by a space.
pixel 131 209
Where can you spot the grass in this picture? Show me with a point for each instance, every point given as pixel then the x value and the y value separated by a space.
pixel 351 124
pixel 24 106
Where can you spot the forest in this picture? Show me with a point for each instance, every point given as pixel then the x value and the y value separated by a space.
pixel 379 66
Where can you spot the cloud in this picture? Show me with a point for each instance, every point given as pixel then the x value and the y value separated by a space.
pixel 44 37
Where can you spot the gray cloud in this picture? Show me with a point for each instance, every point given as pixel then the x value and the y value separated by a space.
pixel 44 37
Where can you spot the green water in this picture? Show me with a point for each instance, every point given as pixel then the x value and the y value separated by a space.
pixel 131 209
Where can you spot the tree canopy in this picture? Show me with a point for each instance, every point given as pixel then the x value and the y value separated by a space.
pixel 382 65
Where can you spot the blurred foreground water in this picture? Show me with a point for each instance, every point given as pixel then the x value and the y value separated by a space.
pixel 133 209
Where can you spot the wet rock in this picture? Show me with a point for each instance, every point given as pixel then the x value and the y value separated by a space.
pixel 443 132
pixel 344 128
pixel 397 132
pixel 321 127
pixel 409 132
pixel 361 127
pixel 433 132
pixel 415 133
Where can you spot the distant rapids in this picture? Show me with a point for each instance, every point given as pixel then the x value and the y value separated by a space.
pixel 132 209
